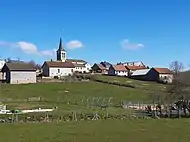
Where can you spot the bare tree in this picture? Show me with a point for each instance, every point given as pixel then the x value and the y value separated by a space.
pixel 36 66
pixel 177 91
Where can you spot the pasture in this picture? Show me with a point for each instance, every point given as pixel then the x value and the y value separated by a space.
pixel 80 97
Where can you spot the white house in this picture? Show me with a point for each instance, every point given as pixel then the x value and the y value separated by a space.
pixel 162 74
pixel 136 63
pixel 64 66
pixel 57 68
pixel 80 65
pixel 118 70
pixel 19 73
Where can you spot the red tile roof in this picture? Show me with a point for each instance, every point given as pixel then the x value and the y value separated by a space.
pixel 59 64
pixel 163 70
pixel 135 67
pixel 119 68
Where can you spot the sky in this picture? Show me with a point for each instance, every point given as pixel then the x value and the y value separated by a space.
pixel 156 32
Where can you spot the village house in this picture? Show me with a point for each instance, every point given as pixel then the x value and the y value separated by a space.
pixel 63 66
pixel 162 74
pixel 99 68
pixel 154 74
pixel 81 66
pixel 107 65
pixel 18 73
pixel 118 70
pixel 136 63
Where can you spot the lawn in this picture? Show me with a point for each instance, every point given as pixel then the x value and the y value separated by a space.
pixel 99 131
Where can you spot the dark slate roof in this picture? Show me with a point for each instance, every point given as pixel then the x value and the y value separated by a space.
pixel 59 64
pixel 79 65
pixel 106 64
pixel 18 67
pixel 76 60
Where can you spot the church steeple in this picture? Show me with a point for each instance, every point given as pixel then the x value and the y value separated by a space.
pixel 61 52
pixel 61 46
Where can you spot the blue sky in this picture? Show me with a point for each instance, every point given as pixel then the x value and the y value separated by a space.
pixel 153 31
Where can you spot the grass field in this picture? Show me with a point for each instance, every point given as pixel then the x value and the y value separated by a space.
pixel 73 97
pixel 99 131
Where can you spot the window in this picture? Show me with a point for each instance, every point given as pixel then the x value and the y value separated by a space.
pixel 58 70
pixel 63 55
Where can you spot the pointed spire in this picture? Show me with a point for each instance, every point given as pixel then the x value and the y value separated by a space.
pixel 61 46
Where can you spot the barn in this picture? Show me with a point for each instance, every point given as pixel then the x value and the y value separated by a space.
pixel 19 73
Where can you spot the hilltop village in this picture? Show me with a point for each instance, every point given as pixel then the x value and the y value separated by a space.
pixel 20 72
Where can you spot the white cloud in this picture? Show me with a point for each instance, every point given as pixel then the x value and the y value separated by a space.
pixel 131 46
pixel 74 44
pixel 48 52
pixel 28 48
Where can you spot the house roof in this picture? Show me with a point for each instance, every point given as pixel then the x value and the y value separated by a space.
pixel 119 68
pixel 79 65
pixel 140 72
pixel 163 70
pixel 136 67
pixel 76 60
pixel 59 64
pixel 106 64
pixel 18 67
pixel 101 66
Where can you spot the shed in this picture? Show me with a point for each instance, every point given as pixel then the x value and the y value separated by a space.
pixel 19 73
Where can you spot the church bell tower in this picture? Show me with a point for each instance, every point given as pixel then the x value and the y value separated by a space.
pixel 61 52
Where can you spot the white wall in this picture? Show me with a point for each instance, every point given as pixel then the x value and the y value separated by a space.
pixel 83 69
pixel 23 77
pixel 166 77
pixel 111 71
pixel 121 73
pixel 2 62
pixel 62 71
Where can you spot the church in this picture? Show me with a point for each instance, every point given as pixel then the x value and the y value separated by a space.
pixel 63 66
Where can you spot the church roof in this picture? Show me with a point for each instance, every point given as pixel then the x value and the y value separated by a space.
pixel 76 60
pixel 59 64
pixel 61 46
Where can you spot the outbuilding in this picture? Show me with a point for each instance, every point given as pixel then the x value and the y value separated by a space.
pixel 19 73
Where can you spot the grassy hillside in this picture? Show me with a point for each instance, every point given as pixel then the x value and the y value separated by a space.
pixel 144 85
pixel 99 131
pixel 68 95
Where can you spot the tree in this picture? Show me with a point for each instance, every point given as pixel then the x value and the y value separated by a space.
pixel 177 91
pixel 36 66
